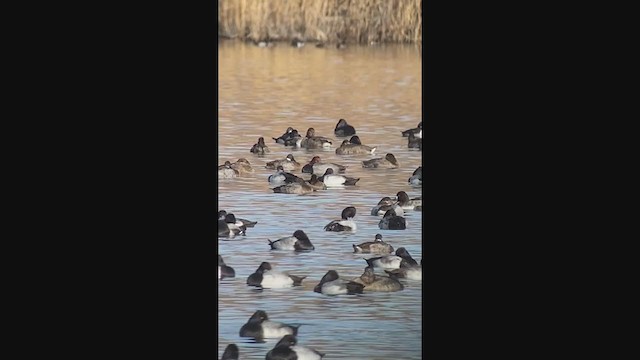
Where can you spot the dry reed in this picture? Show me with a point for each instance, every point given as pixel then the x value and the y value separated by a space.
pixel 330 21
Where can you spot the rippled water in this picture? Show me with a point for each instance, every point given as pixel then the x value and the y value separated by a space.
pixel 262 91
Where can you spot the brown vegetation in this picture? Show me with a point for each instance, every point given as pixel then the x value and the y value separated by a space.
pixel 330 21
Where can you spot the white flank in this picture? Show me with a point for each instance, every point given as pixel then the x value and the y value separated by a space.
pixel 334 180
pixel 414 273
pixel 276 179
pixel 275 330
pixel 335 287
pixel 275 280
pixel 305 353
pixel 388 262
pixel 349 223
pixel 219 272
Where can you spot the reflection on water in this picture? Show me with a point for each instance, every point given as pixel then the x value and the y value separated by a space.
pixel 262 91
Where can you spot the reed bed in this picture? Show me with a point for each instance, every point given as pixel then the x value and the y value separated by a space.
pixel 325 21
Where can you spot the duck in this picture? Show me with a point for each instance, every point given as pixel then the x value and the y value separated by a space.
pixel 377 246
pixel 289 164
pixel 384 205
pixel 260 148
pixel 297 43
pixel 331 284
pixel 377 283
pixel 224 270
pixel 406 271
pixel 247 223
pixel 298 242
pixel 315 183
pixel 267 279
pixel 242 166
pixel 388 161
pixel 260 327
pixel 392 261
pixel 228 227
pixel 299 187
pixel 287 349
pixel 414 142
pixel 416 178
pixel 343 129
pixel 316 167
pixel 226 171
pixel 293 138
pixel 416 131
pixel 329 179
pixel 392 221
pixel 281 177
pixel 286 136
pixel 354 147
pixel 406 203
pixel 314 142
pixel 344 224
pixel 231 352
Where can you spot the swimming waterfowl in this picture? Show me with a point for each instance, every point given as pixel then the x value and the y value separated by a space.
pixel 260 148
pixel 377 283
pixel 331 284
pixel 384 205
pixel 389 161
pixel 407 271
pixel 226 171
pixel 266 278
pixel 287 349
pixel 354 147
pixel 228 227
pixel 315 183
pixel 344 129
pixel 289 164
pixel 282 177
pixel 298 242
pixel 231 352
pixel 330 179
pixel 416 178
pixel 416 131
pixel 293 138
pixel 392 261
pixel 406 203
pixel 391 221
pixel 260 327
pixel 248 223
pixel 299 187
pixel 286 136
pixel 316 167
pixel 242 166
pixel 377 246
pixel 414 142
pixel 297 43
pixel 224 270
pixel 344 224
pixel 314 142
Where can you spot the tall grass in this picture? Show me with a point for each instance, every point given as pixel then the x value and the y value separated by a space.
pixel 331 21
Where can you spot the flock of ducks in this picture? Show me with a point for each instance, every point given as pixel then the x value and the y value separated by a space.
pixel 398 264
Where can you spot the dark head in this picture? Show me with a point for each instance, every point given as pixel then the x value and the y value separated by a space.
pixel 280 168
pixel 294 132
pixel 329 171
pixel 222 214
pixel 287 340
pixel 230 219
pixel 331 275
pixel 418 171
pixel 368 276
pixel 230 353
pixel 402 252
pixel 289 129
pixel 385 200
pixel 220 261
pixel 264 266
pixel 290 158
pixel 420 125
pixel 402 196
pixel 259 315
pixel 315 159
pixel 378 237
pixel 345 142
pixel 348 212
pixel 300 235
pixel 314 179
pixel 311 132
pixel 227 164
pixel 261 141
pixel 355 140
pixel 341 123
pixel 392 159
pixel 243 161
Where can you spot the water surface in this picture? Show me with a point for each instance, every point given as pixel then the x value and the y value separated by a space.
pixel 262 91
